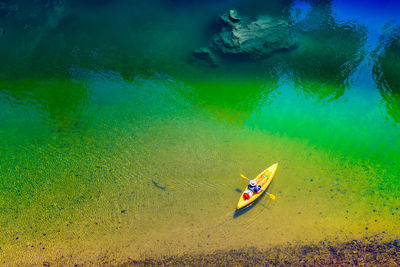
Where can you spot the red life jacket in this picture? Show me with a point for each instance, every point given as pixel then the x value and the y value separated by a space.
pixel 247 194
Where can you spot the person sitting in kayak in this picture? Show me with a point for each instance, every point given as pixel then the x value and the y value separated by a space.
pixel 251 189
pixel 253 186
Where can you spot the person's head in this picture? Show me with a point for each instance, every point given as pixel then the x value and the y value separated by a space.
pixel 253 182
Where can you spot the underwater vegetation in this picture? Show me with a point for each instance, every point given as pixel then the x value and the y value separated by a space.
pixel 50 39
pixel 387 73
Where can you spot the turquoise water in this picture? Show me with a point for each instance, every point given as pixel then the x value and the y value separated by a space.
pixel 115 142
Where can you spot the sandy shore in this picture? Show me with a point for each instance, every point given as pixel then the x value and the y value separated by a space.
pixel 369 252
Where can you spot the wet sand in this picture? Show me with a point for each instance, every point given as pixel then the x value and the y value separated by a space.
pixel 369 251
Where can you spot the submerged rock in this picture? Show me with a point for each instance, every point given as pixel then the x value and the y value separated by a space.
pixel 233 15
pixel 230 19
pixel 253 39
pixel 256 39
pixel 205 55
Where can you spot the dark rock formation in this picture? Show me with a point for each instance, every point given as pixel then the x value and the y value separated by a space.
pixel 205 55
pixel 253 39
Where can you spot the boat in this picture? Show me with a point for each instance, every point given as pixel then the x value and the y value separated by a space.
pixel 265 177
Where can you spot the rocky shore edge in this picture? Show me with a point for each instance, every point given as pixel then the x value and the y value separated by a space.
pixel 368 251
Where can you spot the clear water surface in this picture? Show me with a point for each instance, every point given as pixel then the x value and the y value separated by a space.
pixel 115 142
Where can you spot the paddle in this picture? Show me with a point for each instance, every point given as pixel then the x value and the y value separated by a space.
pixel 269 194
pixel 244 177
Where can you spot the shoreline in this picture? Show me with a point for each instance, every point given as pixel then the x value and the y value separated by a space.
pixel 367 251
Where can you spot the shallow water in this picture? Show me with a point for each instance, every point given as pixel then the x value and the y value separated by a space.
pixel 116 143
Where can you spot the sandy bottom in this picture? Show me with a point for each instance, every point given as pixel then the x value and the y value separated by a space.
pixel 140 186
pixel 130 220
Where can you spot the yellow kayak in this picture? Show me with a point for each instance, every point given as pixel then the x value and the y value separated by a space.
pixel 264 178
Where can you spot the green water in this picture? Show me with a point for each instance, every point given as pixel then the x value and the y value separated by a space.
pixel 115 143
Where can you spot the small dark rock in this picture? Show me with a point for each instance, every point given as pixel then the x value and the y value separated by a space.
pixel 307 249
pixel 123 211
pixel 332 250
pixel 229 19
pixel 233 16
